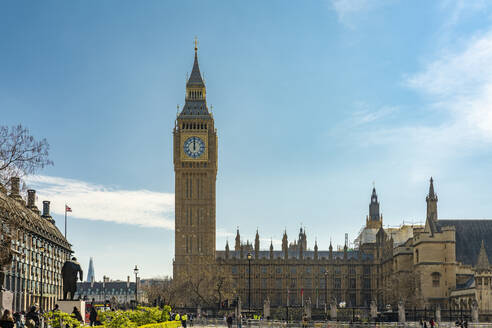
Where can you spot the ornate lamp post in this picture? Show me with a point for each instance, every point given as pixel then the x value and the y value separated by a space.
pixel 41 250
pixel 136 284
pixel 249 281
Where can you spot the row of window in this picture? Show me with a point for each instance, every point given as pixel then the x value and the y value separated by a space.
pixel 194 126
pixel 21 284
pixel 293 269
pixel 335 283
pixel 189 244
pixel 195 94
pixel 196 184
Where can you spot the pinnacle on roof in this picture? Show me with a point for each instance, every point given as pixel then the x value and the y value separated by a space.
pixel 374 195
pixel 195 77
pixel 483 259
pixel 432 194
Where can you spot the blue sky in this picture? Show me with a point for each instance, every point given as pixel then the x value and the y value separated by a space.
pixel 313 100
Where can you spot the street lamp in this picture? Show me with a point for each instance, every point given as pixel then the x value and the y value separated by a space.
pixel 249 281
pixel 41 250
pixel 136 285
pixel 326 293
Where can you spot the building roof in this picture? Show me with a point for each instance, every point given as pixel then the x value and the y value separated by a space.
pixel 195 109
pixel 469 236
pixel 31 221
pixel 110 288
pixel 195 77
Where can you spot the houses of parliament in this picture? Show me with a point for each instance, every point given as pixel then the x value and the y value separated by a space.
pixel 445 262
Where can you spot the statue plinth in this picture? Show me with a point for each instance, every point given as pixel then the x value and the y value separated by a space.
pixel 6 300
pixel 67 306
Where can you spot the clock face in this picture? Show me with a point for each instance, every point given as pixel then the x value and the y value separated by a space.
pixel 194 147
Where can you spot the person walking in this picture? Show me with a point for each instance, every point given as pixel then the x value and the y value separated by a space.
pixel 184 318
pixel 229 321
pixel 93 316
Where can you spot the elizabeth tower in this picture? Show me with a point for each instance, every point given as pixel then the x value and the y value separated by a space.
pixel 195 167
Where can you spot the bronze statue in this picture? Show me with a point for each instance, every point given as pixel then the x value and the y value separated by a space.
pixel 69 274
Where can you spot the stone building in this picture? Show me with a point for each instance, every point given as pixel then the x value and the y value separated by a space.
pixel 444 262
pixel 39 250
pixel 116 292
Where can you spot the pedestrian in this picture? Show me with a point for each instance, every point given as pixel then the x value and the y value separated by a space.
pixel 184 318
pixel 56 308
pixel 23 319
pixel 425 324
pixel 432 323
pixel 32 317
pixel 229 321
pixel 93 316
pixel 17 319
pixel 7 321
pixel 177 317
pixel 239 320
pixel 76 314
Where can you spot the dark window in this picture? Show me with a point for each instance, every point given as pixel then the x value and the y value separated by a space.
pixel 338 283
pixel 353 283
pixel 436 277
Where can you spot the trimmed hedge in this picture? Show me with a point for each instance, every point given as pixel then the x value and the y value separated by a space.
pixel 167 324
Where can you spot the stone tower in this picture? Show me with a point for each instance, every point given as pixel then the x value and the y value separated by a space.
pixel 195 167
pixel 374 220
pixel 431 200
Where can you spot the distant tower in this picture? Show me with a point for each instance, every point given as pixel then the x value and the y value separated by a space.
pixel 374 220
pixel 431 200
pixel 90 272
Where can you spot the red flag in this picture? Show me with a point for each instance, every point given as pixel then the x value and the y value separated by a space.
pixel 67 209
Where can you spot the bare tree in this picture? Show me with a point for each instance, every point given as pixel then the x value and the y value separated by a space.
pixel 209 288
pixel 161 290
pixel 20 153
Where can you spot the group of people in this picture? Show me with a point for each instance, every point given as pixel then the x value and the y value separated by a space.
pixel 184 318
pixel 20 319
pixel 31 319
pixel 461 323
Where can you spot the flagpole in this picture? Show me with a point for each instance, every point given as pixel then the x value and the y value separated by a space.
pixel 65 221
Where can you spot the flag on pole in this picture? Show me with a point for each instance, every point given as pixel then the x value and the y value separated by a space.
pixel 67 208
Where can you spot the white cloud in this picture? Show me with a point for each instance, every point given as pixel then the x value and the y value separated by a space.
pixel 96 202
pixel 348 10
pixel 365 116
pixel 460 83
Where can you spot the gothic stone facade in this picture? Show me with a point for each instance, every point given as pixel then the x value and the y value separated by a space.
pixel 422 265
